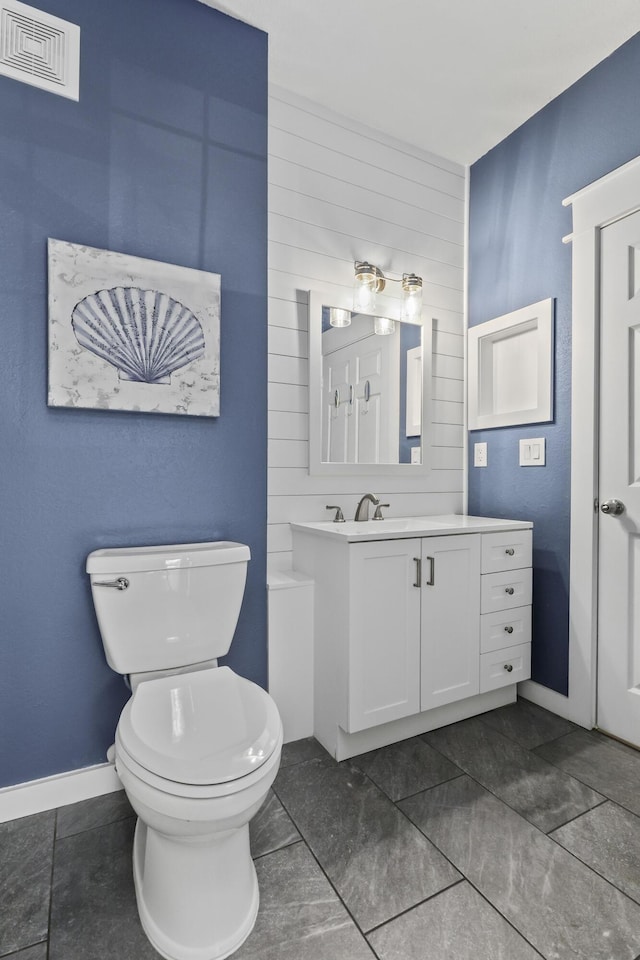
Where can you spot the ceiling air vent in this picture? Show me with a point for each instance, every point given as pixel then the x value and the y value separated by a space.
pixel 39 49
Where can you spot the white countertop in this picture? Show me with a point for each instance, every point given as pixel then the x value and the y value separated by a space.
pixel 396 528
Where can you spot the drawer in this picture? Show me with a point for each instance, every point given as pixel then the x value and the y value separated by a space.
pixel 503 591
pixel 506 551
pixel 505 628
pixel 502 667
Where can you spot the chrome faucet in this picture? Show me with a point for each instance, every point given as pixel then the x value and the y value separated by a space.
pixel 362 510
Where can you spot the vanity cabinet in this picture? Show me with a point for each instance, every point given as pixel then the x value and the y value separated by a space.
pixel 412 609
pixel 406 627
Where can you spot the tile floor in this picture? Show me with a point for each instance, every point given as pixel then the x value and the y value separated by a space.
pixel 510 836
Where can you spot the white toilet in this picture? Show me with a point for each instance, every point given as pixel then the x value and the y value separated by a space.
pixel 197 747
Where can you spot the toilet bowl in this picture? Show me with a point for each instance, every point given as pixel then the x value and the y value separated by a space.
pixel 197 748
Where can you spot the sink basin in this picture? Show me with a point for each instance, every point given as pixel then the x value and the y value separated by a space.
pixel 391 525
pixel 403 527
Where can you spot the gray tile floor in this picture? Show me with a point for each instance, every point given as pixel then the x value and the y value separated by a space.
pixel 511 836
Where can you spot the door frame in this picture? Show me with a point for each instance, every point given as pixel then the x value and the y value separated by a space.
pixel 593 207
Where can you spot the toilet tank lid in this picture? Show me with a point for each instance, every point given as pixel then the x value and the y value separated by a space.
pixel 170 556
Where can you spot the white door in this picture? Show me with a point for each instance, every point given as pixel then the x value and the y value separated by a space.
pixel 336 408
pixel 618 698
pixel 361 400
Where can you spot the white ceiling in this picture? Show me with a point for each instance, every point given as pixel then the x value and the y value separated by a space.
pixel 453 77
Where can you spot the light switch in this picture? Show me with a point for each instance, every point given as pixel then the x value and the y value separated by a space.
pixel 532 452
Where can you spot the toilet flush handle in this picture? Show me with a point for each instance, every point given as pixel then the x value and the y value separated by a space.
pixel 120 584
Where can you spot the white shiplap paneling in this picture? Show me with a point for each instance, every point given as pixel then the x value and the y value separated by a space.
pixel 340 192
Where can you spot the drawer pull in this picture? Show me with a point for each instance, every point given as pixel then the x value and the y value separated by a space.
pixel 508 629
pixel 509 590
pixel 508 667
pixel 431 582
pixel 509 551
pixel 418 581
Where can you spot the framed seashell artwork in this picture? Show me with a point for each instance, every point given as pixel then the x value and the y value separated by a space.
pixel 127 333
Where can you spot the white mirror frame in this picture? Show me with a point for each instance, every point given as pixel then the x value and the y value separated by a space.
pixel 499 359
pixel 318 467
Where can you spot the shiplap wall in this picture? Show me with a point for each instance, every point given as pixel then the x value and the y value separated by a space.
pixel 339 192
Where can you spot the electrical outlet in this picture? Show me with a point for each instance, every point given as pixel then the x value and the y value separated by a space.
pixel 416 455
pixel 479 454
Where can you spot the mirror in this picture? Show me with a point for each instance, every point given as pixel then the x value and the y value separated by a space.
pixel 367 396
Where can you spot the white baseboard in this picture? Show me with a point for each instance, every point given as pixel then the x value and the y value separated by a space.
pixel 35 796
pixel 551 700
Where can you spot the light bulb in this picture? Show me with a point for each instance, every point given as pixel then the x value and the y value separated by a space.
pixel 411 297
pixel 383 326
pixel 338 317
pixel 368 281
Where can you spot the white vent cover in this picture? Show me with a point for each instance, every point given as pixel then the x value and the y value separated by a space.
pixel 39 49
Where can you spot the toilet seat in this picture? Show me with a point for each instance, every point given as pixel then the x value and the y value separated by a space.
pixel 204 733
pixel 188 791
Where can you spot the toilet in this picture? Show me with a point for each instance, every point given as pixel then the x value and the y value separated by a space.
pixel 197 746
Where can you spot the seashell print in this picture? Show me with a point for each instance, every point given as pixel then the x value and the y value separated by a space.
pixel 146 335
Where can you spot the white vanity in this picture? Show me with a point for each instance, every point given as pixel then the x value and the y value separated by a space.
pixel 419 622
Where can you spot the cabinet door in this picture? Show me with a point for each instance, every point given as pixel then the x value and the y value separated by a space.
pixel 384 628
pixel 450 619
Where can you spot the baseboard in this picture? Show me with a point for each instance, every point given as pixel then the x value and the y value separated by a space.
pixel 549 699
pixel 35 796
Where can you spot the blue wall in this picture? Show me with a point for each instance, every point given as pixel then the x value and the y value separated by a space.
pixel 516 257
pixel 163 157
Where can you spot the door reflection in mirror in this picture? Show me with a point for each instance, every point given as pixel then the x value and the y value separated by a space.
pixel 368 413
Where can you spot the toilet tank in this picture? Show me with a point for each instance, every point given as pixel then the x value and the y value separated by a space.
pixel 179 606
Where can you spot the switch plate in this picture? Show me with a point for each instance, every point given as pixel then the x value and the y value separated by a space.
pixel 479 454
pixel 532 452
pixel 416 455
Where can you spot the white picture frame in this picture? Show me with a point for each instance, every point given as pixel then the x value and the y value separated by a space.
pixel 510 368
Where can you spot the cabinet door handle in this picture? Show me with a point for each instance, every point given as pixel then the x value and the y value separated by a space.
pixel 508 667
pixel 508 629
pixel 509 590
pixel 418 580
pixel 509 551
pixel 431 582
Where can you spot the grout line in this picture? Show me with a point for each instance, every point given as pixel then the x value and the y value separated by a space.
pixel 324 872
pixel 454 883
pixel 589 866
pixel 409 796
pixel 285 846
pixel 577 817
pixel 488 789
pixel 53 859
pixel 506 919
pixel 584 782
pixel 464 876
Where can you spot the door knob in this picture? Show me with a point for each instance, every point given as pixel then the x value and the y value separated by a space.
pixel 613 508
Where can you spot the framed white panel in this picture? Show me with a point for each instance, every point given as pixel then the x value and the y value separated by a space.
pixel 510 368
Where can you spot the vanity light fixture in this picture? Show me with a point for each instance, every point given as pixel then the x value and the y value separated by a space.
pixel 370 280
pixel 338 317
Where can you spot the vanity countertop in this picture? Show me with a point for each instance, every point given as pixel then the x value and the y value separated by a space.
pixel 396 528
